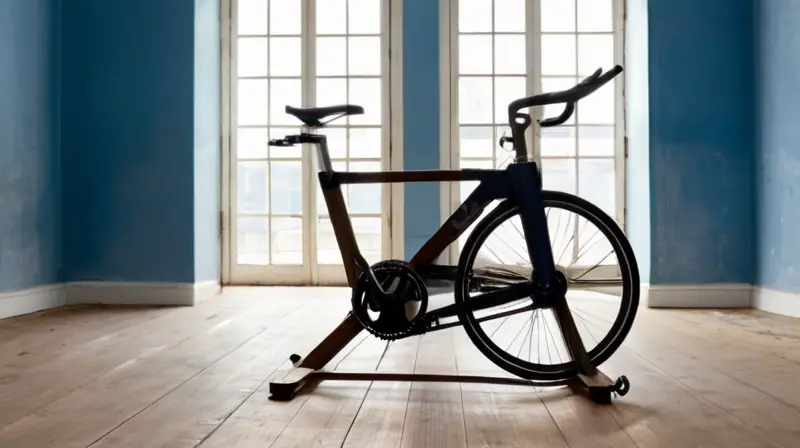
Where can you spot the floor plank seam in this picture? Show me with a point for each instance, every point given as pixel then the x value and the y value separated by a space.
pixel 461 392
pixel 364 398
pixel 195 375
pixel 701 396
pixel 178 386
pixel 410 387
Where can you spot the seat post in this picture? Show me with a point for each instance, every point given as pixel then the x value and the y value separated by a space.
pixel 324 162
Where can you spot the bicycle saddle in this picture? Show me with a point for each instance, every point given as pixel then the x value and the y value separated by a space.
pixel 312 116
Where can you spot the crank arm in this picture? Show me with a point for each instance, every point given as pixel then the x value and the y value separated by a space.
pixel 498 297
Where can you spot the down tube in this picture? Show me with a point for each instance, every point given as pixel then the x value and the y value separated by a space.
pixel 456 224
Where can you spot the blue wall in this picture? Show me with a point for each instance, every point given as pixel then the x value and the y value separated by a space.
pixel 137 124
pixel 30 150
pixel 778 156
pixel 702 141
pixel 420 119
pixel 140 133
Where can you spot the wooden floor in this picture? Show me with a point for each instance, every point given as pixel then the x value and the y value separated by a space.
pixel 184 377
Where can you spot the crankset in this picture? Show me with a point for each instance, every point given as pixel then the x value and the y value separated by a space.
pixel 400 310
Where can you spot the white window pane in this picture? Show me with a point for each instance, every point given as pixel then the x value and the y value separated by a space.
pixel 475 55
pixel 558 15
pixel 596 182
pixel 285 152
pixel 331 56
pixel 252 17
pixel 553 85
pixel 327 247
pixel 596 141
pixel 559 175
pixel 509 54
pixel 598 108
pixel 474 16
pixel 252 240
pixel 365 198
pixel 365 143
pixel 283 92
pixel 251 143
pixel 284 17
pixel 367 94
pixel 595 51
pixel 286 187
pixel 365 16
pixel 252 102
pixel 506 90
pixel 558 141
pixel 558 54
pixel 252 194
pixel 595 15
pixel 364 56
pixel 475 100
pixel 337 142
pixel 251 56
pixel 368 235
pixel 331 16
pixel 285 56
pixel 509 16
pixel 331 91
pixel 476 142
pixel 287 241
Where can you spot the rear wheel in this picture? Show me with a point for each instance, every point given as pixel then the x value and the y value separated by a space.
pixel 594 279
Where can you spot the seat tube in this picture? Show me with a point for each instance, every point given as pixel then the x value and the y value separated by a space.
pixel 324 162
pixel 528 196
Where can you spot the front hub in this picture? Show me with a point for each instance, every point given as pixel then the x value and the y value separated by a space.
pixel 546 295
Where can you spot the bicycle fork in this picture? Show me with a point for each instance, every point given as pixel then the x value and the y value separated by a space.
pixel 527 193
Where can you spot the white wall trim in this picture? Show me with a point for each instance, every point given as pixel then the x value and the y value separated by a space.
pixel 778 302
pixel 16 303
pixel 714 295
pixel 26 301
pixel 122 293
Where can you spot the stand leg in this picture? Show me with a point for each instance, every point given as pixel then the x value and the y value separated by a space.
pixel 590 381
pixel 287 387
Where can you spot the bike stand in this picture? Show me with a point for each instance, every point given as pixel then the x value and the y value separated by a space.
pixel 309 370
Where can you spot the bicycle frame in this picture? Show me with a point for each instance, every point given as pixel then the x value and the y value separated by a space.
pixel 518 182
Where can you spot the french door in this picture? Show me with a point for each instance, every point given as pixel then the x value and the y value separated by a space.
pixel 501 50
pixel 304 53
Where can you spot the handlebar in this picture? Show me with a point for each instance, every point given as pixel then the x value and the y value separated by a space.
pixel 581 90
pixel 520 121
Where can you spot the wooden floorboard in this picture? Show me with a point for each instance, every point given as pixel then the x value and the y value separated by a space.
pixel 187 377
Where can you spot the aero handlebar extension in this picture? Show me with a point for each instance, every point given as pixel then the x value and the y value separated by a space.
pixel 570 96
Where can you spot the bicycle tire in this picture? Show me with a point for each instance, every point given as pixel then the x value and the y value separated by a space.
pixel 629 273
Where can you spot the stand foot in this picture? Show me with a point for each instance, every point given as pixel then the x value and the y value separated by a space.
pixel 291 384
pixel 599 387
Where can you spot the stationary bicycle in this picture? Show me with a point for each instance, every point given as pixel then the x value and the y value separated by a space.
pixel 485 296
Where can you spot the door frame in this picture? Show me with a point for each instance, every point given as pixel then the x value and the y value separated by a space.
pixel 449 154
pixel 391 153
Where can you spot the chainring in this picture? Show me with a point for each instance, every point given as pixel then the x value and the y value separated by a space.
pixel 392 321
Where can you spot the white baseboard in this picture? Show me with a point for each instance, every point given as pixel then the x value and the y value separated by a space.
pixel 119 293
pixel 715 295
pixel 16 303
pixel 778 302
